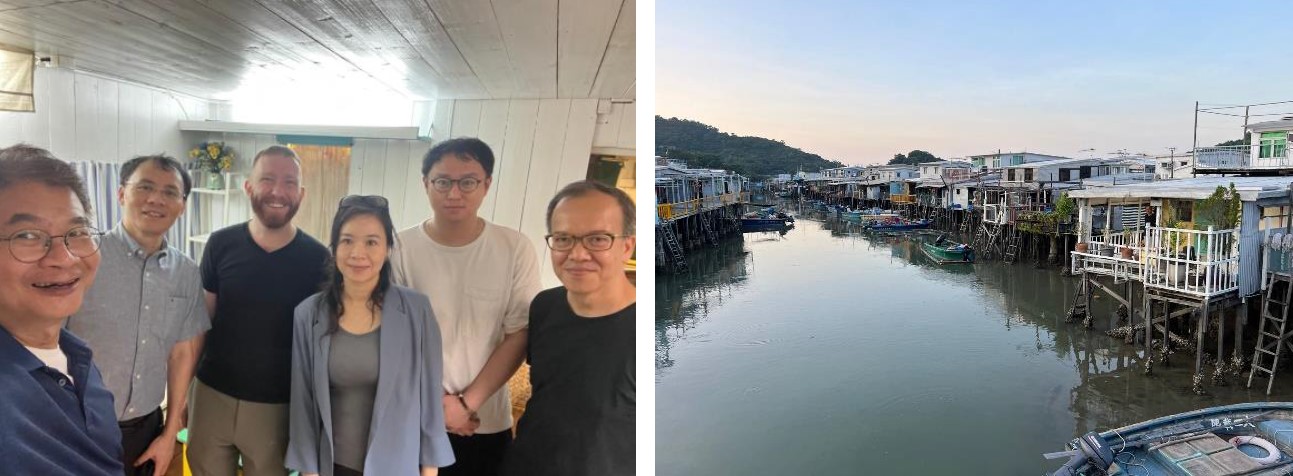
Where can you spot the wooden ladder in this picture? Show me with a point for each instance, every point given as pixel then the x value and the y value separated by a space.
pixel 1275 313
pixel 1012 246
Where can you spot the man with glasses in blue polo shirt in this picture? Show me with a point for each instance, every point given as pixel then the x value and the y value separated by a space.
pixel 145 323
pixel 56 416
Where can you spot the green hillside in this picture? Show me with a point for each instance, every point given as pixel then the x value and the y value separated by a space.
pixel 704 146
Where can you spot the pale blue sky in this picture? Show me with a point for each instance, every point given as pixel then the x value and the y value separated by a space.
pixel 859 81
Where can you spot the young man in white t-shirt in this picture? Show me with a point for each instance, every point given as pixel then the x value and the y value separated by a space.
pixel 480 278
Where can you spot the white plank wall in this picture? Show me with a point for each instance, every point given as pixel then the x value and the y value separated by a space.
pixel 539 146
pixel 84 117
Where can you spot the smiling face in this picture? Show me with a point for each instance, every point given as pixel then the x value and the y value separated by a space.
pixel 275 190
pixel 580 270
pixel 153 198
pixel 454 205
pixel 361 250
pixel 53 287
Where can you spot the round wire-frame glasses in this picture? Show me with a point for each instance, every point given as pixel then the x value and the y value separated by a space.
pixel 30 246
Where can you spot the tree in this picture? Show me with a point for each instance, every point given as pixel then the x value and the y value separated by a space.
pixel 914 157
pixel 1243 141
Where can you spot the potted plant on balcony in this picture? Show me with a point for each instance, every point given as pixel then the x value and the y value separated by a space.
pixel 1220 210
pixel 1126 243
pixel 1171 248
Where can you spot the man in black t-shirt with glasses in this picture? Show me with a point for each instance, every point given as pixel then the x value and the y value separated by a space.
pixel 255 274
pixel 580 419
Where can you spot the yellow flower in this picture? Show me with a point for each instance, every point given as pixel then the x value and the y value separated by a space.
pixel 213 150
pixel 193 154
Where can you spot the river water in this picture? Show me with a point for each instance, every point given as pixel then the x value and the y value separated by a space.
pixel 827 351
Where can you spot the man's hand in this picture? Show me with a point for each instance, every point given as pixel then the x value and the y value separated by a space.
pixel 456 418
pixel 160 451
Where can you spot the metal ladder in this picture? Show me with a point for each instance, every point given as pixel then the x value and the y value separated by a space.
pixel 1271 306
pixel 709 229
pixel 671 242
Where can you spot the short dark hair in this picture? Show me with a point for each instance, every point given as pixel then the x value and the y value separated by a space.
pixel 26 163
pixel 161 160
pixel 585 187
pixel 279 150
pixel 467 148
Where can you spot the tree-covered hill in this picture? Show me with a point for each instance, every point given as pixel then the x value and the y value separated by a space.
pixel 705 146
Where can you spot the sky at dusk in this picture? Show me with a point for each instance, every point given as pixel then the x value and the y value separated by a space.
pixel 860 81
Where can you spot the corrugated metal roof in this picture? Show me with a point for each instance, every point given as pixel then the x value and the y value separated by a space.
pixel 1198 188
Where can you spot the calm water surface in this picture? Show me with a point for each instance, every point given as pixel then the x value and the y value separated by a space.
pixel 824 351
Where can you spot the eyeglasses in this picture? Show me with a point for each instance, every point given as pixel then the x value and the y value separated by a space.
pixel 170 194
pixel 366 201
pixel 593 242
pixel 30 246
pixel 465 184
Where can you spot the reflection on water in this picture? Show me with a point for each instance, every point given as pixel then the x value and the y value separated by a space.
pixel 827 350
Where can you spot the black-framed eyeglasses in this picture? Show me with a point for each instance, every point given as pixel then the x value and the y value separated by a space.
pixel 30 246
pixel 366 201
pixel 591 242
pixel 466 184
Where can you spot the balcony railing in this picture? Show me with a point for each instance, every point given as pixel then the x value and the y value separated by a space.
pixel 1242 157
pixel 676 210
pixel 1196 262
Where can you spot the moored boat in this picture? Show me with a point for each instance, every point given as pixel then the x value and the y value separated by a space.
pixel 944 251
pixel 766 220
pixel 897 225
pixel 1246 438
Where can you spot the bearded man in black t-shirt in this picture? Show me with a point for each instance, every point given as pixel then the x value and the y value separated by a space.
pixel 580 417
pixel 254 273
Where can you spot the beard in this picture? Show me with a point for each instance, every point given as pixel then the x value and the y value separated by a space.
pixel 267 215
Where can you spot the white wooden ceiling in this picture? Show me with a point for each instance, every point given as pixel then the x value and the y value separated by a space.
pixel 421 49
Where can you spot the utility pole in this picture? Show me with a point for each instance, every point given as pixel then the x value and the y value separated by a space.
pixel 1194 154
pixel 1171 166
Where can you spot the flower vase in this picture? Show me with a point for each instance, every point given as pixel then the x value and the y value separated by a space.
pixel 215 181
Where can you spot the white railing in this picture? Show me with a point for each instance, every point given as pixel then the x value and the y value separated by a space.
pixel 1196 262
pixel 1242 156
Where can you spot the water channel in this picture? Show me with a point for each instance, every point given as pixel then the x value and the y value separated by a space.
pixel 825 350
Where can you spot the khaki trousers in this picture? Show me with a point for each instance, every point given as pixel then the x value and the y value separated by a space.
pixel 223 428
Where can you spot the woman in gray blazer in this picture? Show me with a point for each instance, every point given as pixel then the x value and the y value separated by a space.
pixel 366 362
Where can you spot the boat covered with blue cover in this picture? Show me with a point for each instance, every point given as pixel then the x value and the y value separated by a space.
pixel 1241 439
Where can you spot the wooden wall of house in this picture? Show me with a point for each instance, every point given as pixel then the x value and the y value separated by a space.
pixel 85 117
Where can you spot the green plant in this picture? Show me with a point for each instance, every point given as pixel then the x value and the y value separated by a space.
pixel 1221 209
pixel 1172 240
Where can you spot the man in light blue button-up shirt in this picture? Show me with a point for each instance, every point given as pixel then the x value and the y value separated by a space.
pixel 145 317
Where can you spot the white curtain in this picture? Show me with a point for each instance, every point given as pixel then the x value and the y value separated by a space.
pixel 102 180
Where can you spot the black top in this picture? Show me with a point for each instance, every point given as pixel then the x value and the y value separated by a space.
pixel 580 419
pixel 248 352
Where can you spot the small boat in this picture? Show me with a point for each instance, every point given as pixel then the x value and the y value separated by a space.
pixel 1246 438
pixel 898 225
pixel 944 251
pixel 766 220
pixel 871 214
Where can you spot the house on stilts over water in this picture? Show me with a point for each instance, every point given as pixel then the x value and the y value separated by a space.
pixel 1194 255
pixel 694 207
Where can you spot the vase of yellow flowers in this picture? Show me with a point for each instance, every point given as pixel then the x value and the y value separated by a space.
pixel 214 159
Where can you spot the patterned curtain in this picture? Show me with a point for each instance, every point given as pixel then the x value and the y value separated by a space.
pixel 102 181
pixel 325 173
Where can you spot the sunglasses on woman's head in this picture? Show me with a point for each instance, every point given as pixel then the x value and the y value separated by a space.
pixel 366 201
